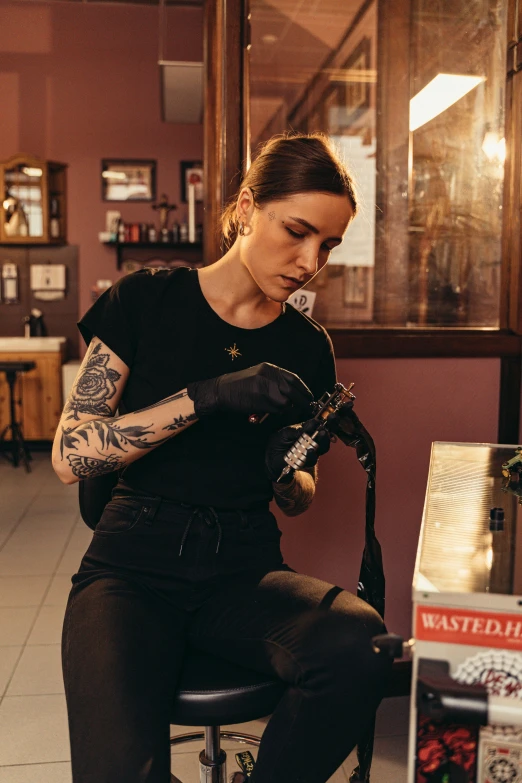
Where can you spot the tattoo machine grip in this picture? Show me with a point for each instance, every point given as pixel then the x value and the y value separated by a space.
pixel 295 457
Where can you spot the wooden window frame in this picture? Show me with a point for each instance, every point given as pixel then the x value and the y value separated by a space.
pixel 226 145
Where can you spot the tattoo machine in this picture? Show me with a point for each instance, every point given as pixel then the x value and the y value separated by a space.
pixel 295 457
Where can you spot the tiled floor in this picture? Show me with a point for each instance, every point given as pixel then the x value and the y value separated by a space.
pixel 42 540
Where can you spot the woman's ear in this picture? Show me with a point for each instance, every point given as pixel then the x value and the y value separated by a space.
pixel 245 205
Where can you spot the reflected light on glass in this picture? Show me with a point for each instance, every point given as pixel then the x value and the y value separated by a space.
pixel 493 147
pixel 114 174
pixel 32 172
pixel 489 558
pixel 441 93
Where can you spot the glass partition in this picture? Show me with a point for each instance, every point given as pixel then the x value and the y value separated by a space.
pixel 319 66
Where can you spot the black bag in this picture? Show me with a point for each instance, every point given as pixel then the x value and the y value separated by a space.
pixel 94 494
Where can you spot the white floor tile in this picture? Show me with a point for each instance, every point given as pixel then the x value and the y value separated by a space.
pixel 20 562
pixel 38 672
pixel 185 766
pixel 70 561
pixel 15 624
pixel 22 590
pixel 37 773
pixel 8 659
pixel 48 626
pixel 59 591
pixel 33 730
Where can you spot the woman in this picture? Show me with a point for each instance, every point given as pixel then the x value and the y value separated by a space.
pixel 187 551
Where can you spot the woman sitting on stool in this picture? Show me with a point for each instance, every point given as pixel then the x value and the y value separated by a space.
pixel 187 554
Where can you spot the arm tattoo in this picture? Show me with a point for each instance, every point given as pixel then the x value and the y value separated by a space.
pixel 297 496
pixel 95 386
pixel 109 433
pixel 88 467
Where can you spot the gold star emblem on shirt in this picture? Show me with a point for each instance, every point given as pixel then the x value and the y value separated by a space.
pixel 234 352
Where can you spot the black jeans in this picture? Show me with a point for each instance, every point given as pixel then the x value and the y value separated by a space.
pixel 160 578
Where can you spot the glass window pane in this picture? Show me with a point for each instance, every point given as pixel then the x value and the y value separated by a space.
pixel 23 202
pixel 314 66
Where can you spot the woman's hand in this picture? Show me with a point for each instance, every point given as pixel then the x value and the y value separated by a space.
pixel 284 439
pixel 264 388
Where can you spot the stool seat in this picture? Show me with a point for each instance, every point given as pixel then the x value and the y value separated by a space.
pixel 213 692
pixel 16 366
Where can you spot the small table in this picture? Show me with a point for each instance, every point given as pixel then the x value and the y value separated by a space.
pixel 18 448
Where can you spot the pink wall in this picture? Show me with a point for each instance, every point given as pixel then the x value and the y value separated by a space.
pixel 79 82
pixel 405 404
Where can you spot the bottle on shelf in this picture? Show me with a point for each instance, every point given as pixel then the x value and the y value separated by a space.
pixel 121 231
pixel 183 232
pixel 152 233
pixel 54 227
pixel 165 235
pixel 175 232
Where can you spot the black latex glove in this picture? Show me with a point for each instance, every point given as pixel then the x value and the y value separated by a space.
pixel 279 443
pixel 264 388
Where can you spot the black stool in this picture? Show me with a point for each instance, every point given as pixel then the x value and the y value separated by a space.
pixel 18 447
pixel 213 692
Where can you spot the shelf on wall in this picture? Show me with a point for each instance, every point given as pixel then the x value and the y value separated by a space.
pixel 185 251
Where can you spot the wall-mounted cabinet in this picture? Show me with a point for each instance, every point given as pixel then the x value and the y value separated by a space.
pixel 34 201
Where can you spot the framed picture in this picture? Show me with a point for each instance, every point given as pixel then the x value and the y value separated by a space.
pixel 357 86
pixel 191 173
pixel 128 180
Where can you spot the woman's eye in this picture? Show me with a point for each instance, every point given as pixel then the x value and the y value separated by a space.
pixel 294 233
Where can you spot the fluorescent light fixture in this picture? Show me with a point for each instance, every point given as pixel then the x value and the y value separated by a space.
pixel 441 93
pixel 32 172
pixel 493 147
pixel 114 175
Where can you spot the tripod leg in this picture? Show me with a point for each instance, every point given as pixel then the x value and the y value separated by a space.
pixel 3 438
pixel 21 449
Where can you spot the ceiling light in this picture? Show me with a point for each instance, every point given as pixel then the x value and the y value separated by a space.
pixel 441 93
pixel 269 38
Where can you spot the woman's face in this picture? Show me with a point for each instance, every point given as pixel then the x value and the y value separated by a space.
pixel 287 242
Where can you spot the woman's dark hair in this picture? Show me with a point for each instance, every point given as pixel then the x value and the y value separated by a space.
pixel 289 164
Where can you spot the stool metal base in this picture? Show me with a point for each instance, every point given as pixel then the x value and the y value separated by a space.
pixel 212 760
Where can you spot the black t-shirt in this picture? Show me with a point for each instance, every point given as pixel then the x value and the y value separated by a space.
pixel 160 324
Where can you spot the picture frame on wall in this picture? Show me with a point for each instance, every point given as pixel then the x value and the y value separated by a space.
pixel 128 179
pixel 191 173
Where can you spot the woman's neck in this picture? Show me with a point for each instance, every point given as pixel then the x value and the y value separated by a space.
pixel 230 290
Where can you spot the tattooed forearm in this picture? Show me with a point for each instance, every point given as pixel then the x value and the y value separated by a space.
pixel 296 496
pixel 103 444
pixel 111 435
pixel 95 386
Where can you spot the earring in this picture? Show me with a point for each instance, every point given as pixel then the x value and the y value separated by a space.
pixel 241 229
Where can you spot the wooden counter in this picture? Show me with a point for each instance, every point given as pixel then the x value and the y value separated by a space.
pixel 39 389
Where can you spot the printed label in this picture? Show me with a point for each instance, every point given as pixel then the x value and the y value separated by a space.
pixel 467 626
